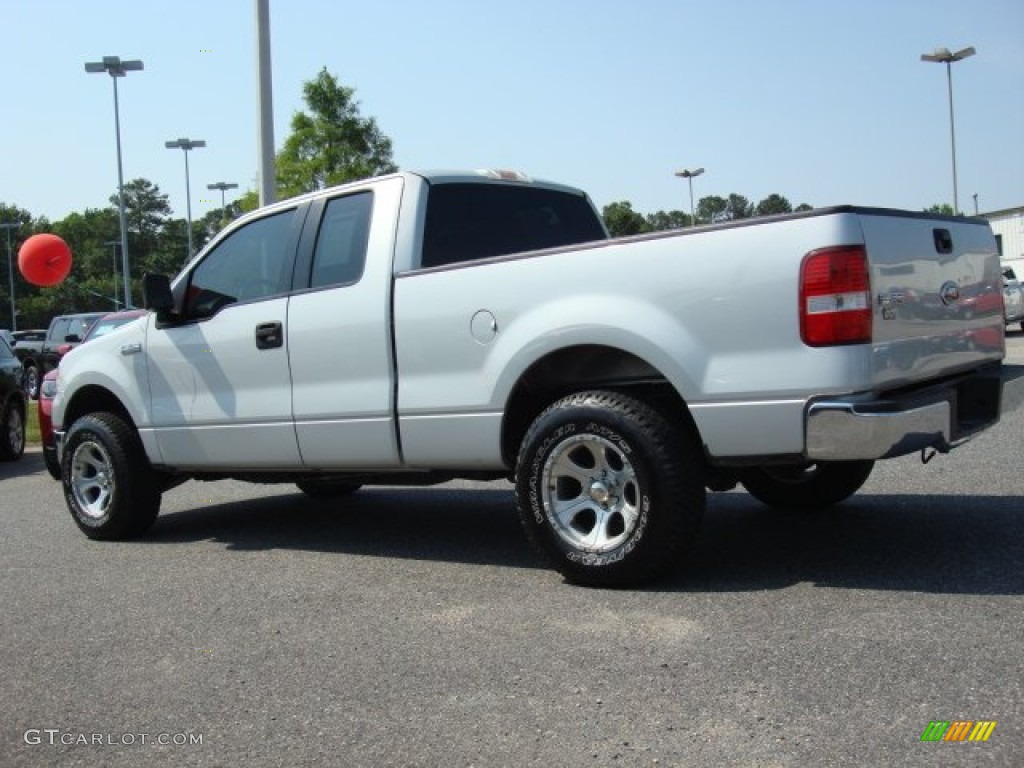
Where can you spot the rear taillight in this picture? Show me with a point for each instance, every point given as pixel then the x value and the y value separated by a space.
pixel 835 297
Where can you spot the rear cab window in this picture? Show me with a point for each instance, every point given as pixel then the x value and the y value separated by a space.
pixel 472 221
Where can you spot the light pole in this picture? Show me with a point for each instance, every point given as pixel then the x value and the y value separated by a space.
pixel 223 186
pixel 688 175
pixel 9 225
pixel 116 68
pixel 185 145
pixel 943 56
pixel 113 256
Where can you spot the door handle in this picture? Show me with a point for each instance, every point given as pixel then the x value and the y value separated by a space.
pixel 269 335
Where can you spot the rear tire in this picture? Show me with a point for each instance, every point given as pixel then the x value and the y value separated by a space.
pixel 31 379
pixel 609 490
pixel 12 430
pixel 110 489
pixel 806 487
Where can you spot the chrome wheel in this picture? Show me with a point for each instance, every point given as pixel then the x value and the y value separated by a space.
pixel 92 479
pixel 591 494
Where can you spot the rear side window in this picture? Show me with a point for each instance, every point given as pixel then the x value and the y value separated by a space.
pixel 466 222
pixel 340 253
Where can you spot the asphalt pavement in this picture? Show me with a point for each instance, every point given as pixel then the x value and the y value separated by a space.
pixel 414 627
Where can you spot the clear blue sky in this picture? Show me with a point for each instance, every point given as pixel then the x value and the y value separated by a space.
pixel 822 101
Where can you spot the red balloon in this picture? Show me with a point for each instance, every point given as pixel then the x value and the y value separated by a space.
pixel 44 259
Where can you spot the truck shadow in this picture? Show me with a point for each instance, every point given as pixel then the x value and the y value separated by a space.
pixel 934 544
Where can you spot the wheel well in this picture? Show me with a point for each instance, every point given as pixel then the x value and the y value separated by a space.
pixel 93 399
pixel 580 368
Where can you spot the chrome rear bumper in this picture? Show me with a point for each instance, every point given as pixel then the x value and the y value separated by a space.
pixel 940 417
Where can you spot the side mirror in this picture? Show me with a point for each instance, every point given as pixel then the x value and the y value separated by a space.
pixel 156 293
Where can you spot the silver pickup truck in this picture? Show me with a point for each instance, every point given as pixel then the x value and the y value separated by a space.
pixel 415 328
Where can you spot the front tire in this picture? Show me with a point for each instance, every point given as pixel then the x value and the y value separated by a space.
pixel 12 431
pixel 609 490
pixel 110 489
pixel 806 487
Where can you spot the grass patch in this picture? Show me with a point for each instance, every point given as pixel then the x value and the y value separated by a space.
pixel 32 436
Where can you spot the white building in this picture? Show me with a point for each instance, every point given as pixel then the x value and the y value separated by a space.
pixel 1008 227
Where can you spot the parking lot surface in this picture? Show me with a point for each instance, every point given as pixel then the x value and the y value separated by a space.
pixel 414 627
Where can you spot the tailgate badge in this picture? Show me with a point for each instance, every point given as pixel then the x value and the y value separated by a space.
pixel 949 293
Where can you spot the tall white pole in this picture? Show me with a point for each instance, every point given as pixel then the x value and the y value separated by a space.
pixel 120 204
pixel 268 170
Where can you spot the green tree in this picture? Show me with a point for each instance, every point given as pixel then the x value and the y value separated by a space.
pixel 332 143
pixel 773 204
pixel 803 207
pixel 739 207
pixel 622 220
pixel 712 208
pixel 147 210
pixel 662 220
pixel 944 208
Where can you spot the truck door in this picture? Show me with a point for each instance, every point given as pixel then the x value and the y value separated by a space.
pixel 339 331
pixel 219 380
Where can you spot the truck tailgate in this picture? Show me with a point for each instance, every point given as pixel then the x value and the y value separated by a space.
pixel 937 296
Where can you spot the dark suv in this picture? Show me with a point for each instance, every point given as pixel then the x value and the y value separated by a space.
pixel 12 405
pixel 39 356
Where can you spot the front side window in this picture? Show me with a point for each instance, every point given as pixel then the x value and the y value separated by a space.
pixel 252 263
pixel 340 253
pixel 61 329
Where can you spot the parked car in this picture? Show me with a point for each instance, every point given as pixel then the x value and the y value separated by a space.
pixel 12 405
pixel 48 388
pixel 414 328
pixel 1013 298
pixel 40 352
pixel 8 337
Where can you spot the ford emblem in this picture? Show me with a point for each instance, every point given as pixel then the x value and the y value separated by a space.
pixel 949 293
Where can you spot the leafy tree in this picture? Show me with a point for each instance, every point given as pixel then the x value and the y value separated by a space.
pixel 739 207
pixel 146 210
pixel 803 207
pixel 943 208
pixel 712 208
pixel 331 144
pixel 622 220
pixel 171 251
pixel 773 204
pixel 663 220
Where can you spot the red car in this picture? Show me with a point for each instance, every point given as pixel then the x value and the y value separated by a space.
pixel 48 389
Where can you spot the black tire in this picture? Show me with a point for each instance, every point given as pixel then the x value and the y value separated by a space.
pixel 110 489
pixel 12 430
pixel 645 502
pixel 52 465
pixel 808 486
pixel 31 378
pixel 320 489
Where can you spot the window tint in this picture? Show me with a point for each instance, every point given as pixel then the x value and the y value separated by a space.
pixel 78 326
pixel 474 221
pixel 60 328
pixel 341 243
pixel 252 263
